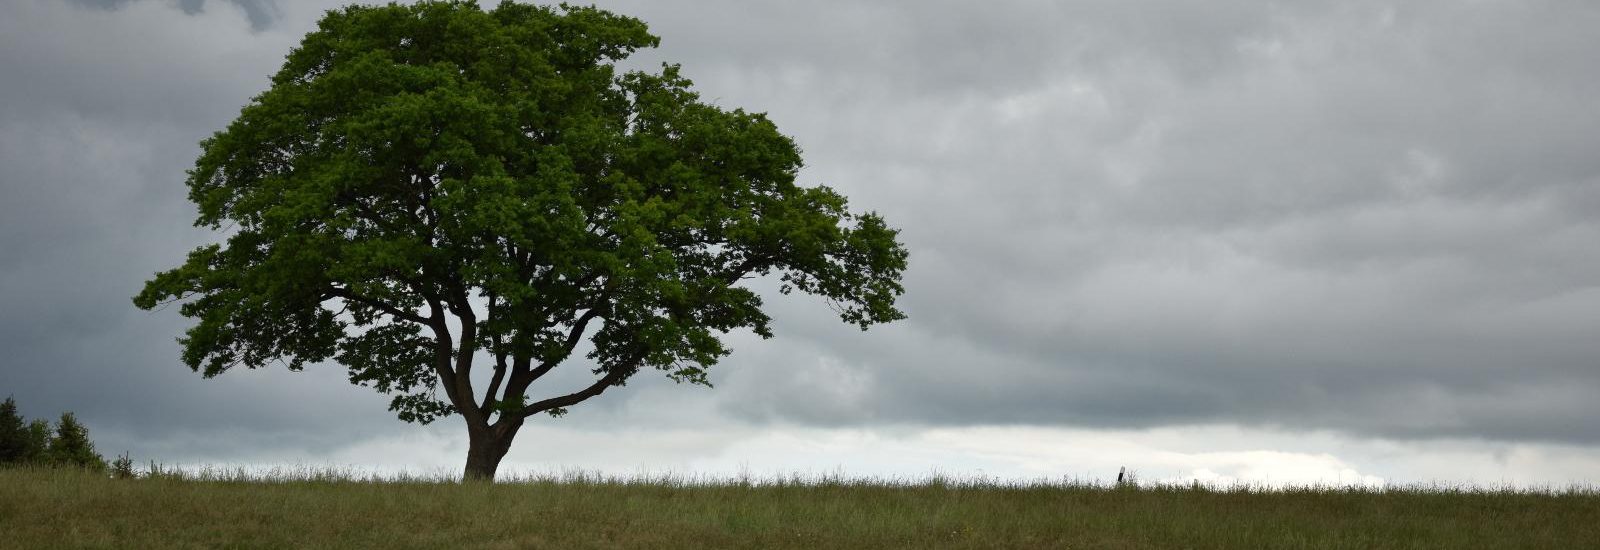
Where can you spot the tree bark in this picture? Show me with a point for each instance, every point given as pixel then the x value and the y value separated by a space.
pixel 485 448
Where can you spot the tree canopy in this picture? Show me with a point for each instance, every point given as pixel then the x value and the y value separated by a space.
pixel 423 185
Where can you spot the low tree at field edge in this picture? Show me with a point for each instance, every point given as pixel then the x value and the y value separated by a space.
pixel 34 443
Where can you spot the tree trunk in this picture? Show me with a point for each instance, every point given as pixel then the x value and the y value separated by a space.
pixel 485 448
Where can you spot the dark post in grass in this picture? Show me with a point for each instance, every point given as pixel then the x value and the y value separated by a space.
pixel 428 191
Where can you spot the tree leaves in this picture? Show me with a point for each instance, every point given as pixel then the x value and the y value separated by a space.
pixel 422 183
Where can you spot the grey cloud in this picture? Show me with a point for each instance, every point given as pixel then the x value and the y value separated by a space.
pixel 96 128
pixel 261 13
pixel 100 4
pixel 1358 217
pixel 1312 218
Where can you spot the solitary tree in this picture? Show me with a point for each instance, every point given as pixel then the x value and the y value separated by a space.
pixel 431 191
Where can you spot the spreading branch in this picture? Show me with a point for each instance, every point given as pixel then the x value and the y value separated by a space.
pixel 613 377
pixel 380 305
pixel 573 337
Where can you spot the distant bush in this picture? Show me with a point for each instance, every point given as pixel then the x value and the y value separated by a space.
pixel 122 467
pixel 34 443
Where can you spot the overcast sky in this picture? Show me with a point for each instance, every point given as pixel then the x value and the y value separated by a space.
pixel 1302 241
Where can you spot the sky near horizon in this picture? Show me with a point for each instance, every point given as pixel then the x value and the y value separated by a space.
pixel 1338 242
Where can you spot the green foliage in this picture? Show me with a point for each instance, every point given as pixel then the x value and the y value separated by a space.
pixel 34 443
pixel 426 184
pixel 14 438
pixel 122 467
pixel 71 445
pixel 36 446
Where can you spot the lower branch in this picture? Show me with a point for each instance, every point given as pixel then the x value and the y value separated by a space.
pixel 612 378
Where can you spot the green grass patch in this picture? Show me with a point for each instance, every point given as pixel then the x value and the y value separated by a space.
pixel 43 508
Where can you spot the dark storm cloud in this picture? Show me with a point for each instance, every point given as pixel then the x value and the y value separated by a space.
pixel 97 124
pixel 261 13
pixel 1357 216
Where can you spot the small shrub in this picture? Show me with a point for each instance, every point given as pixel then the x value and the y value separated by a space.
pixel 122 467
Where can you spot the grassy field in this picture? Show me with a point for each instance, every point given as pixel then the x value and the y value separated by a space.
pixel 64 508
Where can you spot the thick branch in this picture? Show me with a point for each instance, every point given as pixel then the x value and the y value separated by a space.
pixel 573 337
pixel 616 375
pixel 499 352
pixel 380 305
pixel 494 384
pixel 462 381
pixel 750 263
pixel 443 346
pixel 524 374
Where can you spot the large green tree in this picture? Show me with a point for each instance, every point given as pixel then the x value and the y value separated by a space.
pixel 430 191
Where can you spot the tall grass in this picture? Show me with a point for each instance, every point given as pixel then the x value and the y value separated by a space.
pixel 332 508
